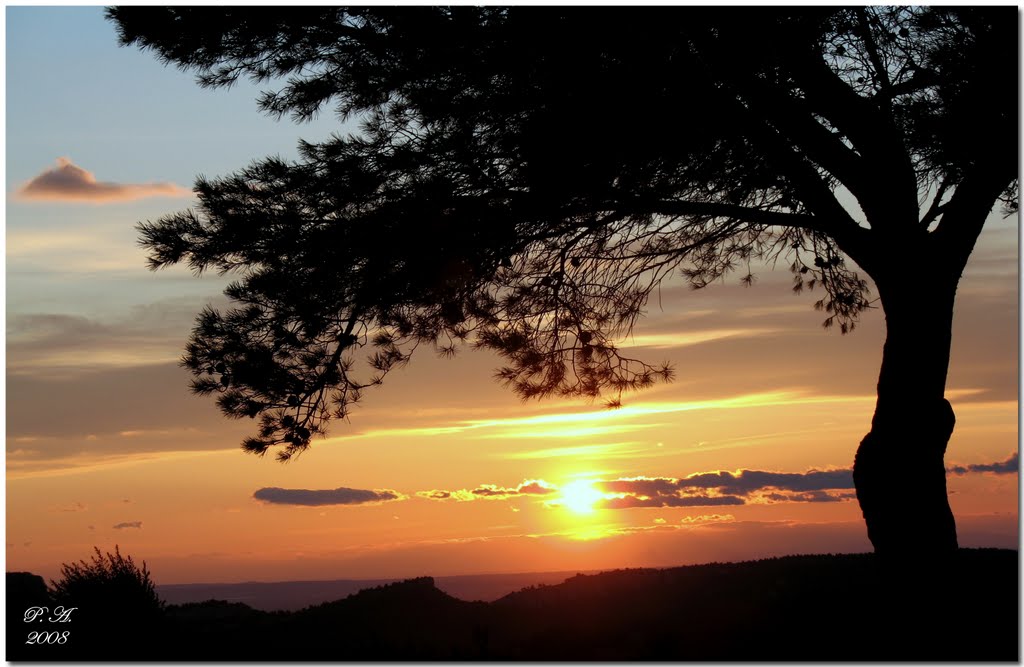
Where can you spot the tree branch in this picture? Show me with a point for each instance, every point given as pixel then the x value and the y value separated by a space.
pixel 872 49
pixel 965 213
pixel 890 195
pixel 936 208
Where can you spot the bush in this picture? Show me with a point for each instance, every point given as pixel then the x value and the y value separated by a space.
pixel 117 614
pixel 111 582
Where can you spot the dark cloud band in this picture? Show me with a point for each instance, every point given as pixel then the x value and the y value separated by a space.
pixel 1007 467
pixel 728 488
pixel 319 497
pixel 722 487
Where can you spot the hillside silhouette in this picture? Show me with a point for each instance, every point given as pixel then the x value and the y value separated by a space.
pixel 826 607
pixel 295 595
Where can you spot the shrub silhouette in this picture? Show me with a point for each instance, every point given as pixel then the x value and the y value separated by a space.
pixel 116 605
pixel 109 581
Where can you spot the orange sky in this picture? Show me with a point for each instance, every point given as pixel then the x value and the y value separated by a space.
pixel 760 387
pixel 440 471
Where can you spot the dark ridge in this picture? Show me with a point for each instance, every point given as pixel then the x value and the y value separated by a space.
pixel 295 595
pixel 816 608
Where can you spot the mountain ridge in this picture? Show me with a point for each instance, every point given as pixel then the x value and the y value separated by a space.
pixel 850 607
pixel 295 595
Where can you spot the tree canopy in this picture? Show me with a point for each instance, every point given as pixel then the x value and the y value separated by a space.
pixel 523 178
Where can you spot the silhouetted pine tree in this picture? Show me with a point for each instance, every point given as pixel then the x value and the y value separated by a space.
pixel 524 177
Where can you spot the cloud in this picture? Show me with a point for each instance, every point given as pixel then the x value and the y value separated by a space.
pixel 492 491
pixel 128 524
pixel 809 497
pixel 641 486
pixel 435 494
pixel 631 449
pixel 707 518
pixel 529 487
pixel 707 489
pixel 630 501
pixel 67 182
pixel 600 422
pixel 683 339
pixel 720 487
pixel 1009 466
pixel 748 481
pixel 535 487
pixel 59 344
pixel 319 497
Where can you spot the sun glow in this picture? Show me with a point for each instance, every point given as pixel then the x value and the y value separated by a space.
pixel 580 496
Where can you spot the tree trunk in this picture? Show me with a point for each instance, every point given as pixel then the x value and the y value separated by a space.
pixel 899 471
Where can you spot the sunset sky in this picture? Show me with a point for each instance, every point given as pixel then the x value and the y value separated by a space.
pixel 441 471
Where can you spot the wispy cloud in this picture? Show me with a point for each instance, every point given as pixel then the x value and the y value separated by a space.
pixel 320 497
pixel 529 487
pixel 67 182
pixel 808 497
pixel 63 344
pixel 686 338
pixel 707 518
pixel 631 417
pixel 628 501
pixel 604 421
pixel 631 449
pixel 37 464
pixel 580 430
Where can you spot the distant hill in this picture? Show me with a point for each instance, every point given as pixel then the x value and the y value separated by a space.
pixel 295 595
pixel 817 608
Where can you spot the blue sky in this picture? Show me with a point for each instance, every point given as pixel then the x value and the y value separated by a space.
pixel 118 111
pixel 122 115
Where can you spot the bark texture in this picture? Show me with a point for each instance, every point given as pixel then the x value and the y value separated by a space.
pixel 899 471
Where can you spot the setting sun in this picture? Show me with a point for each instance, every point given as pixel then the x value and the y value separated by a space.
pixel 580 496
